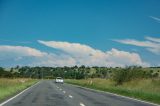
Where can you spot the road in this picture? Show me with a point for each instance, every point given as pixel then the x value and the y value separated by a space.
pixel 48 93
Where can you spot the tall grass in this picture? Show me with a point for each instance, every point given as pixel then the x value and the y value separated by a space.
pixel 9 87
pixel 144 89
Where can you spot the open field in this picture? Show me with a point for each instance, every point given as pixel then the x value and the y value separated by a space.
pixel 9 87
pixel 144 89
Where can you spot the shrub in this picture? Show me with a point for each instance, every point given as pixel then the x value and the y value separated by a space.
pixel 127 74
pixel 155 75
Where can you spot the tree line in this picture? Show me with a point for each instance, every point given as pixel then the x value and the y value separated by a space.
pixel 118 74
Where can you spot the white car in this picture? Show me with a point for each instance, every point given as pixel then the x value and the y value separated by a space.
pixel 59 80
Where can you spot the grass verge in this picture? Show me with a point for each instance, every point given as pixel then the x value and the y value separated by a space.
pixel 10 87
pixel 143 89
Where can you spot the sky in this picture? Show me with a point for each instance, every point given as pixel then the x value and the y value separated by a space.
pixel 107 33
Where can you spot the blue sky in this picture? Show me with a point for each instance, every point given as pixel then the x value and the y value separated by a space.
pixel 103 25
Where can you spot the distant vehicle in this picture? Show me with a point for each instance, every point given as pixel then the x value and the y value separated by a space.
pixel 59 80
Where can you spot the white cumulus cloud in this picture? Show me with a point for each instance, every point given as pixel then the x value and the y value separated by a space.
pixel 86 55
pixel 20 51
pixel 71 48
pixel 115 57
pixel 21 55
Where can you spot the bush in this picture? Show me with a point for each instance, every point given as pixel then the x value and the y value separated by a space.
pixel 4 74
pixel 126 74
pixel 155 75
pixel 120 76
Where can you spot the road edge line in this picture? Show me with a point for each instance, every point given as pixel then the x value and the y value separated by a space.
pixel 115 94
pixel 6 101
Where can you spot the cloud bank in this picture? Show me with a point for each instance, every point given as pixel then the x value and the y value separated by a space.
pixel 84 54
pixel 70 54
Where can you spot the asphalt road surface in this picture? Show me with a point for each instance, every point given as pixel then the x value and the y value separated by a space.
pixel 48 93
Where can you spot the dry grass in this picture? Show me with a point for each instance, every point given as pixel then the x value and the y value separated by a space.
pixel 145 89
pixel 10 87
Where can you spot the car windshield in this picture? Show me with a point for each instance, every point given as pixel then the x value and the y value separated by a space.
pixel 58 78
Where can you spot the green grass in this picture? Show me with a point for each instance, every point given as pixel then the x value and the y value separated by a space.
pixel 144 89
pixel 9 87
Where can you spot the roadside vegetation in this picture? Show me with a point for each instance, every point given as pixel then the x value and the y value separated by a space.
pixel 9 87
pixel 119 74
pixel 132 81
pixel 144 89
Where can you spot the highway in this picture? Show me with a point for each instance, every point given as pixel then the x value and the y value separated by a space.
pixel 48 93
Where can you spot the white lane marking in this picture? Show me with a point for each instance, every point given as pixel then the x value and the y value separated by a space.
pixel 18 94
pixel 60 89
pixel 117 95
pixel 81 104
pixel 57 87
pixel 70 96
pixel 64 91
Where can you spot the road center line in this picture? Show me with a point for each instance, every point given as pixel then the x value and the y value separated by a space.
pixel 60 89
pixel 70 96
pixel 81 104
